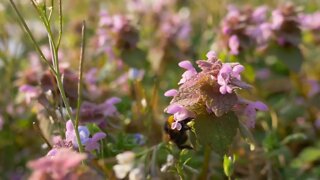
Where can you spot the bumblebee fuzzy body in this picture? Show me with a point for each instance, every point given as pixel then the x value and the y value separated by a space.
pixel 178 137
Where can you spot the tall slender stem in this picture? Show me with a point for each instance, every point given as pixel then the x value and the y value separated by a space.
pixel 205 167
pixel 83 42
pixel 26 28
pixel 60 24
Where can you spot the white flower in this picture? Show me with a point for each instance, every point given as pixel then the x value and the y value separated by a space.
pixel 125 157
pixel 136 173
pixel 125 164
pixel 122 170
pixel 170 161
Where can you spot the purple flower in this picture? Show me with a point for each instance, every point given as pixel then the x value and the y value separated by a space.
pixel 89 143
pixel 90 76
pixel 99 113
pixel 92 143
pixel 71 135
pixel 191 71
pixel 234 45
pixel 250 112
pixel 171 93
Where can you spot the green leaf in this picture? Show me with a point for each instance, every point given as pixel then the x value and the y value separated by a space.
pixel 249 73
pixel 134 58
pixel 246 134
pixel 291 56
pixel 307 156
pixel 228 165
pixel 216 132
pixel 294 137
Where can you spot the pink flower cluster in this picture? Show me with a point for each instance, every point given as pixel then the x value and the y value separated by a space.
pixel 212 90
pixel 249 28
pixel 245 28
pixel 58 166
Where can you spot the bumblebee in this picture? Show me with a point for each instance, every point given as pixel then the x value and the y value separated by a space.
pixel 180 138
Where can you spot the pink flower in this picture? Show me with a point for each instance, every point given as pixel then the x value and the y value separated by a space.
pixel 30 92
pixel 277 19
pixel 191 71
pixel 226 73
pixel 259 15
pixel 171 92
pixel 179 113
pixel 234 45
pixel 58 166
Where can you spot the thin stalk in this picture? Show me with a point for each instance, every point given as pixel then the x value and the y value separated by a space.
pixel 58 76
pixel 60 24
pixel 83 41
pixel 37 128
pixel 51 11
pixel 26 28
pixel 205 167
pixel 80 81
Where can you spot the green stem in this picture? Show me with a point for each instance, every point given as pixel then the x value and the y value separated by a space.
pixel 26 28
pixel 60 24
pixel 83 42
pixel 205 167
pixel 54 53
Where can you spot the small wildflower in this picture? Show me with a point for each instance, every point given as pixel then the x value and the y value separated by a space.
pixel 125 164
pixel 234 44
pixel 89 143
pixel 191 71
pixel 57 166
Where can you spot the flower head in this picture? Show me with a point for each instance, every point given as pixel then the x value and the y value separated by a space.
pixel 207 91
pixel 89 143
pixel 57 166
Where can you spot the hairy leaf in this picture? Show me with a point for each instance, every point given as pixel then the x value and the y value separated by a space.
pixel 216 132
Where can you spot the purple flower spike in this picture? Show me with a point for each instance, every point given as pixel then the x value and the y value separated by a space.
pixel 234 44
pixel 171 93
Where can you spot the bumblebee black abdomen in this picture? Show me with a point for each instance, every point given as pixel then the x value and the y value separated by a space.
pixel 178 137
